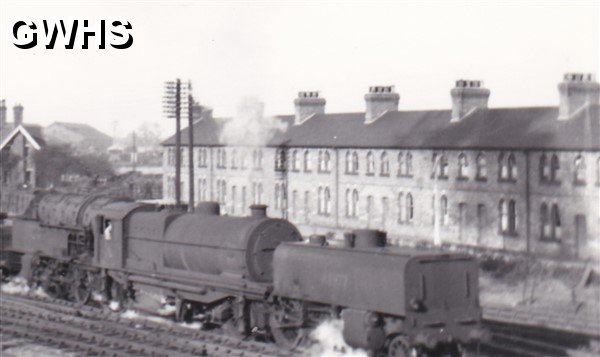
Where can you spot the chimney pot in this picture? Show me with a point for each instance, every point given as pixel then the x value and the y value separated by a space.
pixel 380 100
pixel 467 96
pixel 308 104
pixel 18 115
pixel 576 91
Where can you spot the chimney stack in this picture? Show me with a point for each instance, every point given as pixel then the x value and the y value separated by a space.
pixel 576 91
pixel 380 100
pixel 468 96
pixel 2 113
pixel 308 104
pixel 18 115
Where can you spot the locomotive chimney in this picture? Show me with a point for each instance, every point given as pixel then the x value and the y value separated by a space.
pixel 576 91
pixel 308 104
pixel 369 238
pixel 380 100
pixel 258 211
pixel 208 208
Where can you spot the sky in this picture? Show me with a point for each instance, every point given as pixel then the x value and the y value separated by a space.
pixel 271 50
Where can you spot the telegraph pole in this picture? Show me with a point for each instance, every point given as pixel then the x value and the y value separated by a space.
pixel 172 102
pixel 190 148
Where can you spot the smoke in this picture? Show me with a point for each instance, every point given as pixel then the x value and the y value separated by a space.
pixel 249 127
pixel 329 341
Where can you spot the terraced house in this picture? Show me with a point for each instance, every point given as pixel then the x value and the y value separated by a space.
pixel 525 179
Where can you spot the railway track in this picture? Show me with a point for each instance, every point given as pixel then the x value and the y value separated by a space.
pixel 96 332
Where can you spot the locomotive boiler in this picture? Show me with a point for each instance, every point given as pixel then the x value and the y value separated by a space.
pixel 249 276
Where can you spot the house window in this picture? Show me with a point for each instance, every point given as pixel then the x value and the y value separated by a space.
pixel 243 160
pixel 579 170
pixel 294 204
pixel 444 213
pixel 354 162
pixel 223 158
pixel 277 196
pixel 306 206
pixel 550 224
pixel 401 166
pixel 221 191
pixel 233 198
pixel 554 167
pixel 598 171
pixel 463 166
pixel 348 165
pixel 507 217
pixel 370 164
pixel 385 164
pixel 439 165
pixel 347 201
pixel 544 169
pixel 401 207
pixel 307 166
pixel 257 191
pixel 324 161
pixel 409 168
pixel 512 167
pixel 410 209
pixel 280 160
pixel 295 161
pixel 481 167
pixel 324 200
pixel 354 206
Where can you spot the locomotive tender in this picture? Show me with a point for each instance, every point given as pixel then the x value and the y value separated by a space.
pixel 251 275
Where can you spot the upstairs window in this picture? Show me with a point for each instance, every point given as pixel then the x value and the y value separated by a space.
pixel 439 167
pixel 463 166
pixel 234 159
pixel 481 167
pixel 307 166
pixel 280 160
pixel 385 164
pixel 409 169
pixel 544 169
pixel 512 167
pixel 324 161
pixel 370 164
pixel 554 167
pixel 579 166
pixel 257 159
pixel 598 171
pixel 401 166
pixel 507 167
pixel 354 162
pixel 295 161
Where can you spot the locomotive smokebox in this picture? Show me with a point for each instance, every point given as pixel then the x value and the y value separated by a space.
pixel 369 238
pixel 208 208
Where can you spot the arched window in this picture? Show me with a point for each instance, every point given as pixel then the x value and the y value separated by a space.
pixel 320 163
pixel 307 166
pixel 354 162
pixel 502 167
pixel 481 167
pixel 401 164
pixel 409 169
pixel 401 207
pixel 556 226
pixel 512 217
pixel 503 215
pixel 295 161
pixel 385 164
pixel 348 162
pixel 462 166
pixel 327 199
pixel 223 158
pixel 327 161
pixel 320 200
pixel 544 169
pixel 348 200
pixel 443 165
pixel 544 221
pixel 354 203
pixel 370 163
pixel 554 167
pixel 280 160
pixel 233 198
pixel 512 167
pixel 444 214
pixel 409 208
pixel 579 170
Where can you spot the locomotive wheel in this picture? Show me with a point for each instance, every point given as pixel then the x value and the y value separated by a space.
pixel 399 347
pixel 287 324
pixel 81 288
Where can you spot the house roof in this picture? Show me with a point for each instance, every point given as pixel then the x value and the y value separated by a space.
pixel 495 128
pixel 32 133
pixel 89 135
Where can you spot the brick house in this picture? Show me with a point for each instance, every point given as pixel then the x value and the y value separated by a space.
pixel 522 179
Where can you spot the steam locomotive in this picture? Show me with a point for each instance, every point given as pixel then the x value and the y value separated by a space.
pixel 250 275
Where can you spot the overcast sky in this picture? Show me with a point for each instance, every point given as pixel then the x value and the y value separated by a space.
pixel 272 50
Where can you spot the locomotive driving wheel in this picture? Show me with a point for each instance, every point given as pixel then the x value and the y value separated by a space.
pixel 287 322
pixel 81 287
